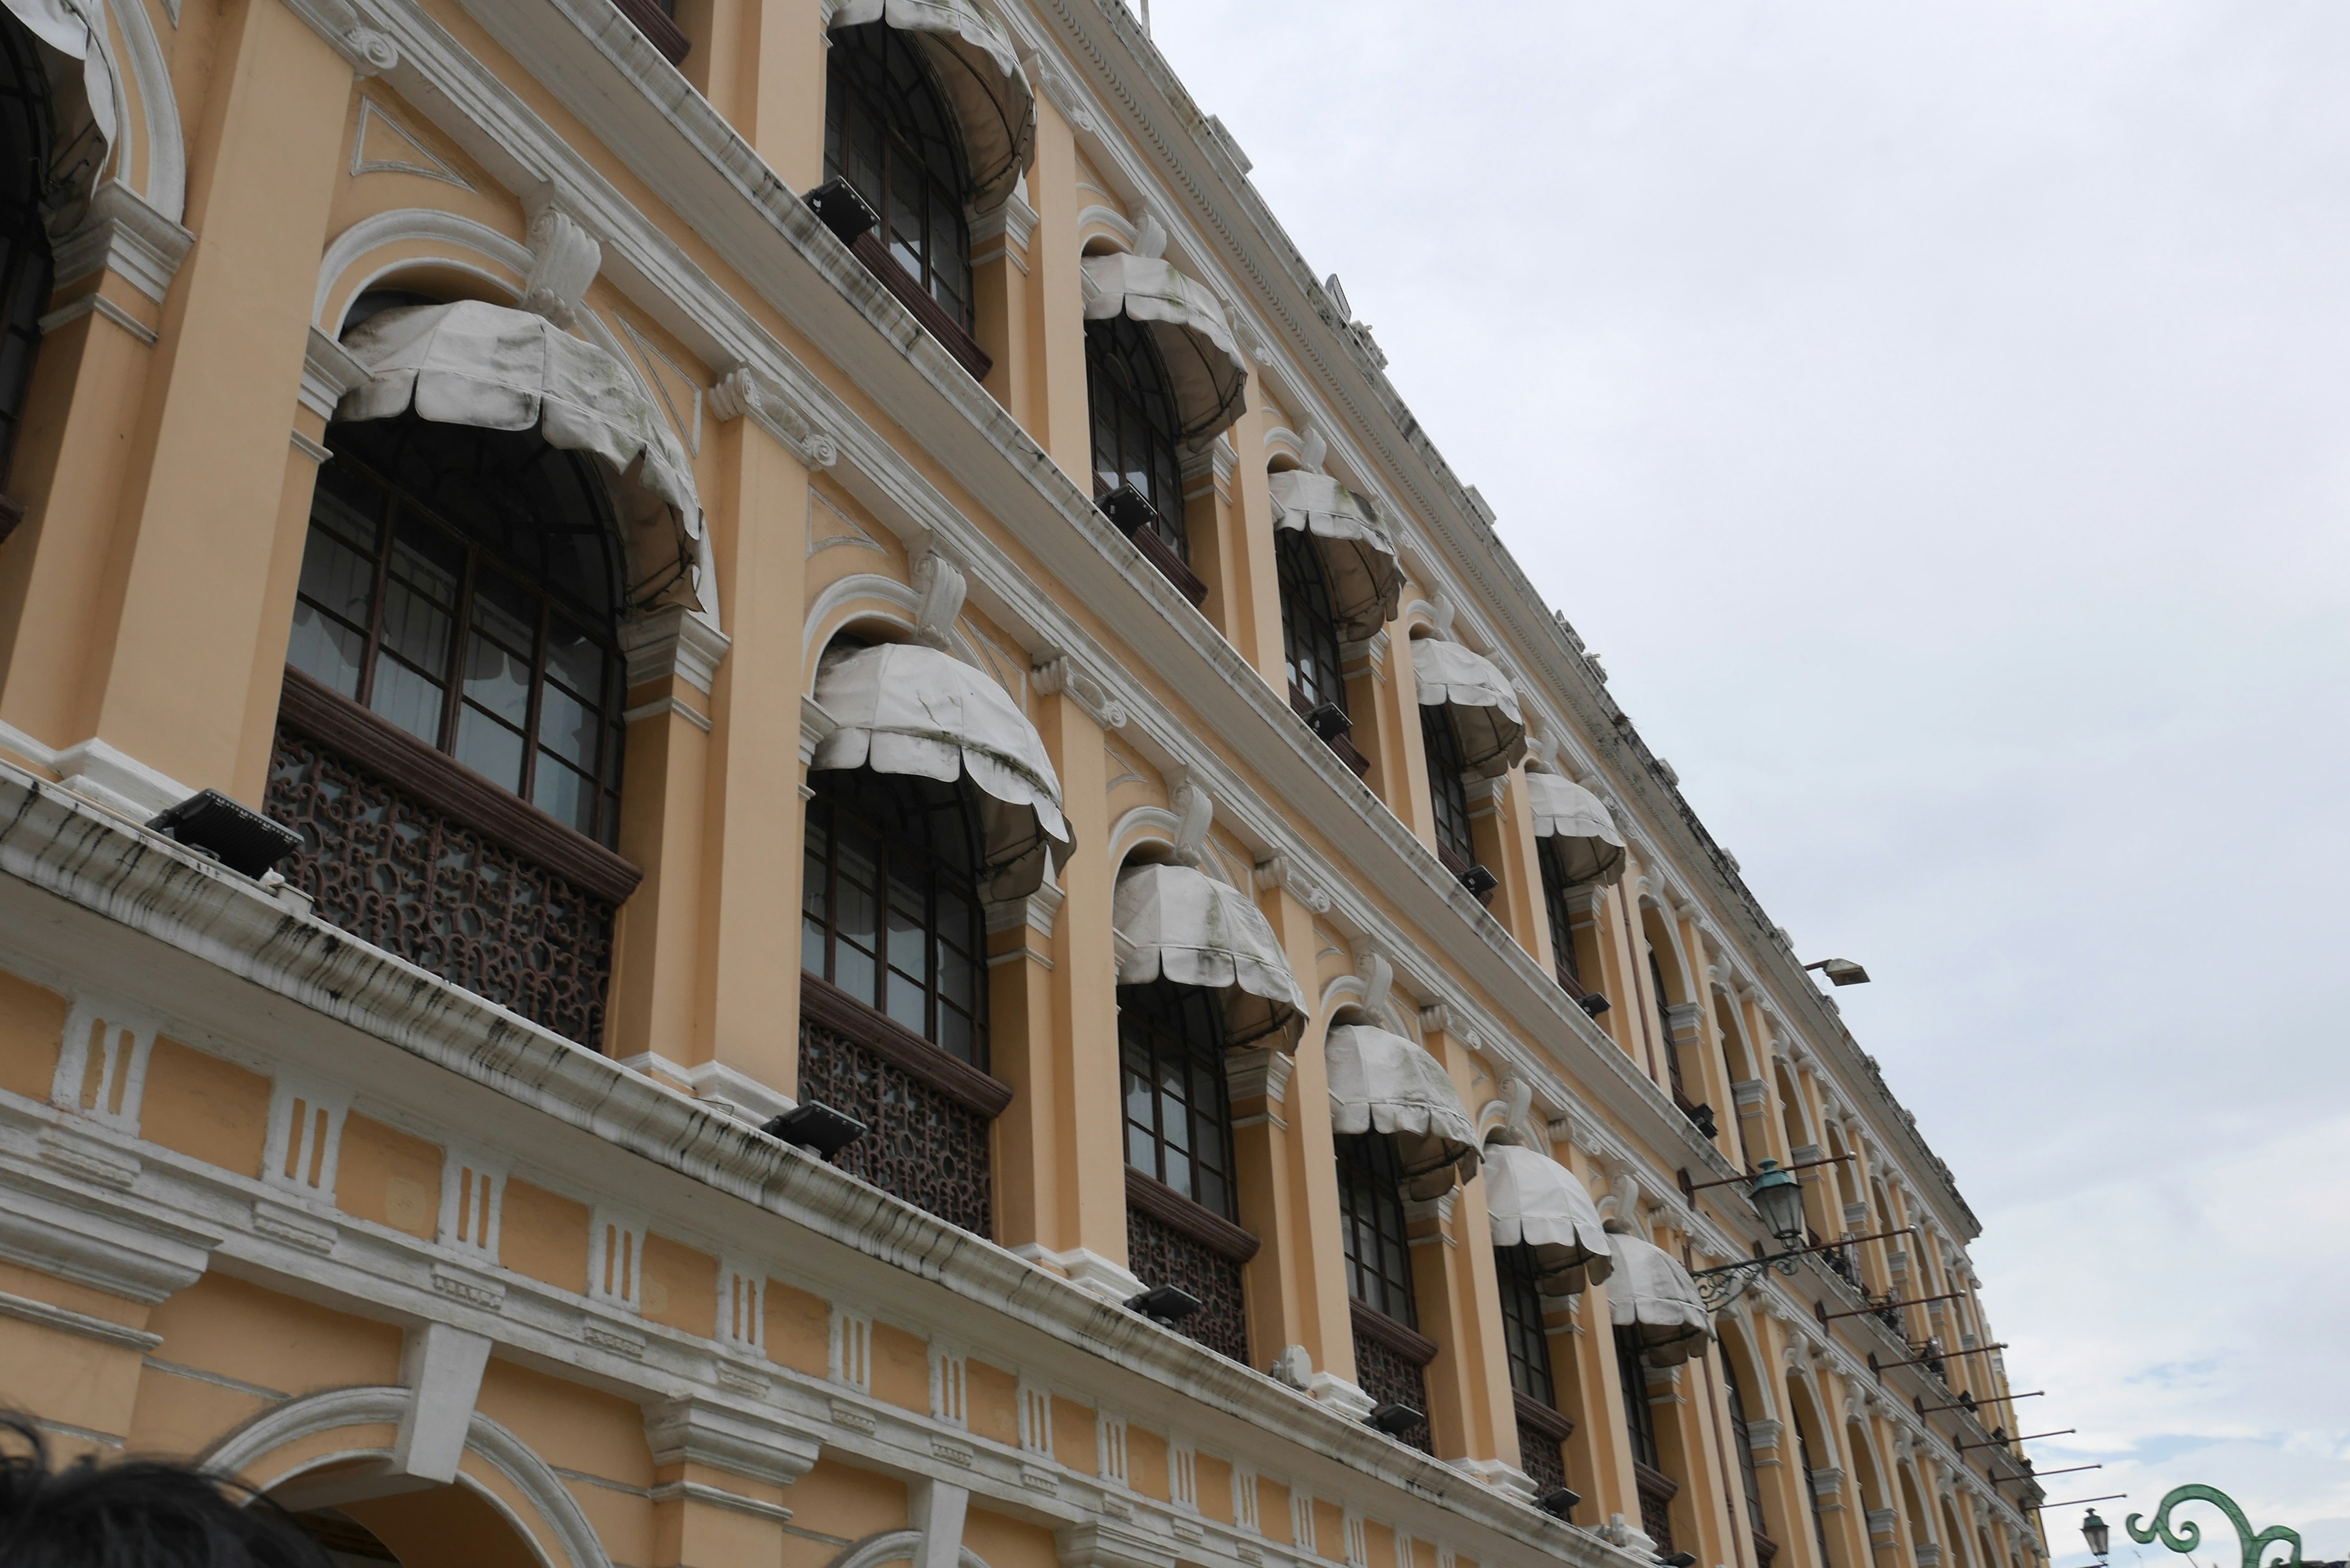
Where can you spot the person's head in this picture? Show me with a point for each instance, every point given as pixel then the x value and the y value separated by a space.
pixel 132 1513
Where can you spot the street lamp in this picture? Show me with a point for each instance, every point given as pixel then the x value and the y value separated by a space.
pixel 1779 1198
pixel 1841 971
pixel 2098 1533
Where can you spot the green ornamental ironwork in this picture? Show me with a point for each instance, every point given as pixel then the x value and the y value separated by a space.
pixel 2187 1535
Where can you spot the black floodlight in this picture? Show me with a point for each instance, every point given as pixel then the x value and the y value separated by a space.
pixel 1701 1118
pixel 839 208
pixel 1559 1503
pixel 1393 1418
pixel 1593 1004
pixel 1128 509
pixel 815 1126
pixel 236 836
pixel 1329 722
pixel 1678 1559
pixel 1168 1304
pixel 1480 881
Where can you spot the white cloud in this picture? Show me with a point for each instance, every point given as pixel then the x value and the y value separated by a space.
pixel 1937 415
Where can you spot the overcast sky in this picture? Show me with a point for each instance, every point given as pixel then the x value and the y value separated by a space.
pixel 1938 416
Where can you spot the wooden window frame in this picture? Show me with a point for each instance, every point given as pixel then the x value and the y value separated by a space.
pixel 1147 1039
pixel 1370 1171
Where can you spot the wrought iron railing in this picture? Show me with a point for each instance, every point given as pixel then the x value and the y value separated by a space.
pixel 1391 1366
pixel 1656 1491
pixel 1541 1431
pixel 412 853
pixel 926 1113
pixel 1171 1240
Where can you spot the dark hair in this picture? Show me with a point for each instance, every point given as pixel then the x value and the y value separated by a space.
pixel 134 1514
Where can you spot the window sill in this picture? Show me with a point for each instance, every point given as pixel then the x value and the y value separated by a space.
pixel 1408 1343
pixel 326 715
pixel 1188 1217
pixel 891 275
pixel 1542 1418
pixel 660 30
pixel 827 1005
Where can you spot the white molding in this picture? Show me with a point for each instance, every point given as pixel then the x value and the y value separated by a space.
pixel 124 234
pixel 674 640
pixel 81 1324
pixel 328 370
pixel 108 776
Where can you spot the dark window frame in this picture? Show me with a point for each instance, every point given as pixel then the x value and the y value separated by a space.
pixel 365 489
pixel 1448 791
pixel 27 132
pixel 943 862
pixel 1665 1030
pixel 1748 1475
pixel 1374 1226
pixel 1525 1341
pixel 1562 919
pixel 1164 1026
pixel 1134 425
pixel 1640 1415
pixel 877 81
pixel 1310 646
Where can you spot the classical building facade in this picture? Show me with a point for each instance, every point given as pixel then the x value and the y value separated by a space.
pixel 760 805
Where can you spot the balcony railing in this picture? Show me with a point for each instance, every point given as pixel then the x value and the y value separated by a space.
pixel 1541 1431
pixel 413 853
pixel 926 1114
pixel 1656 1490
pixel 1391 1366
pixel 1171 1240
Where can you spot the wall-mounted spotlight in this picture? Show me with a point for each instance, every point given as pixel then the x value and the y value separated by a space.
pixel 1394 1418
pixel 1164 1304
pixel 236 836
pixel 816 1127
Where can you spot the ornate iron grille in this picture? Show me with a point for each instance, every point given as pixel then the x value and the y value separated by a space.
pixel 1390 1365
pixel 406 876
pixel 1161 1255
pixel 1538 1451
pixel 922 1143
pixel 1656 1490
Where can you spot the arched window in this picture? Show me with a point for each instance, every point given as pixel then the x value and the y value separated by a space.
pixel 1179 1138
pixel 465 585
pixel 1656 1488
pixel 1448 793
pixel 1540 1430
pixel 1179 1124
pixel 890 905
pixel 1562 918
pixel 1134 420
pixel 1309 634
pixel 1812 1493
pixel 1764 1547
pixel 887 131
pixel 1391 1355
pixel 1665 1029
pixel 25 266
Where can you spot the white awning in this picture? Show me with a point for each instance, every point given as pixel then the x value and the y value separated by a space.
pixel 979 73
pixel 1381 1082
pixel 1650 1291
pixel 81 93
pixel 1187 324
pixel 503 369
pixel 1366 577
pixel 1484 709
pixel 1184 926
pixel 1588 846
pixel 913 710
pixel 1535 1201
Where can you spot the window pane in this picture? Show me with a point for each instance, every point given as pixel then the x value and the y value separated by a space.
pixel 497 680
pixel 490 749
pixel 336 577
pixel 564 793
pixel 567 726
pixel 576 660
pixel 407 698
pixel 418 600
pixel 325 650
pixel 908 1004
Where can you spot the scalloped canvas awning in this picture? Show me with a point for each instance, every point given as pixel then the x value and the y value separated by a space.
pixel 1484 709
pixel 1366 577
pixel 980 74
pixel 1182 925
pixel 1589 848
pixel 1186 323
pixel 1381 1082
pixel 904 709
pixel 498 368
pixel 1532 1200
pixel 81 92
pixel 1651 1293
